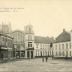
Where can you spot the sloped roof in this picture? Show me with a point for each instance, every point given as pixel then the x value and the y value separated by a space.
pixel 63 37
pixel 39 39
pixel 18 31
pixel 6 35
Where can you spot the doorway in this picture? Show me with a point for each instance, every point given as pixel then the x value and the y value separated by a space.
pixel 28 54
pixel 31 54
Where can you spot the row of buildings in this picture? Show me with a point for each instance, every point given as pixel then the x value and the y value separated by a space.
pixel 25 44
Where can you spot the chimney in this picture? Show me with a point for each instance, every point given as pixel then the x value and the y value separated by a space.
pixel 64 30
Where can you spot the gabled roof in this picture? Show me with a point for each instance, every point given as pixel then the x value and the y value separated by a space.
pixel 39 39
pixel 63 37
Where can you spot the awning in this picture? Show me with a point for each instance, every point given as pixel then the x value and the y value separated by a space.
pixel 30 49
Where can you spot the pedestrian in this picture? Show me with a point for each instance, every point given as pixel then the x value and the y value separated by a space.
pixel 46 59
pixel 2 56
pixel 43 59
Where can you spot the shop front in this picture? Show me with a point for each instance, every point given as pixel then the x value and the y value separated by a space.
pixel 6 53
pixel 29 53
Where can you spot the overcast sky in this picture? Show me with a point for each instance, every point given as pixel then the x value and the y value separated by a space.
pixel 48 17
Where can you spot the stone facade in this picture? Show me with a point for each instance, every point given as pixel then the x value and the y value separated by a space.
pixel 62 47
pixel 33 46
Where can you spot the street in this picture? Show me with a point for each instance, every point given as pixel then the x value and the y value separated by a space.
pixel 36 65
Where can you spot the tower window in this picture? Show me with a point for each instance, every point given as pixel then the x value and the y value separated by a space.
pixel 29 37
pixel 29 44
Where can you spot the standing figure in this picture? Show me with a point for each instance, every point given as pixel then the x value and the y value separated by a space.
pixel 43 59
pixel 46 59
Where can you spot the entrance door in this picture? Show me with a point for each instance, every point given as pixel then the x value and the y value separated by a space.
pixel 28 56
pixel 31 54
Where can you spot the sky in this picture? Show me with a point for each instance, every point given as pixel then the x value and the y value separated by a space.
pixel 48 17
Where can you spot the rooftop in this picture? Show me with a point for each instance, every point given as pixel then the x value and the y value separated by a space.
pixel 63 37
pixel 40 39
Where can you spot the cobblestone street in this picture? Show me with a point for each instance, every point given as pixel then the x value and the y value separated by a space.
pixel 36 65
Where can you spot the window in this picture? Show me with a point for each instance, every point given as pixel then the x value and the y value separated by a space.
pixel 66 53
pixel 55 46
pixel 70 45
pixel 56 54
pixel 66 45
pixel 59 47
pixel 29 37
pixel 36 53
pixel 37 45
pixel 63 53
pixel 41 45
pixel 70 53
pixel 29 44
pixel 62 46
pixel 43 53
pixel 59 53
pixel 51 44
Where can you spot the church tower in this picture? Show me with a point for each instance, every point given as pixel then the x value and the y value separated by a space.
pixel 29 41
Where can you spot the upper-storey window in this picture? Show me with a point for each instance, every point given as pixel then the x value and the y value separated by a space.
pixel 55 46
pixel 41 45
pixel 70 45
pixel 62 46
pixel 70 53
pixel 29 37
pixel 63 53
pixel 51 44
pixel 37 45
pixel 66 45
pixel 29 44
pixel 59 46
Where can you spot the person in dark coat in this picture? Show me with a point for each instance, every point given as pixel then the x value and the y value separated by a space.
pixel 43 59
pixel 46 59
pixel 2 56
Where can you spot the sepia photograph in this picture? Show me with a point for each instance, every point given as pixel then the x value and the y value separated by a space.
pixel 35 35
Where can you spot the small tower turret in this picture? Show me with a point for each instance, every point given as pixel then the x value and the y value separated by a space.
pixel 29 41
